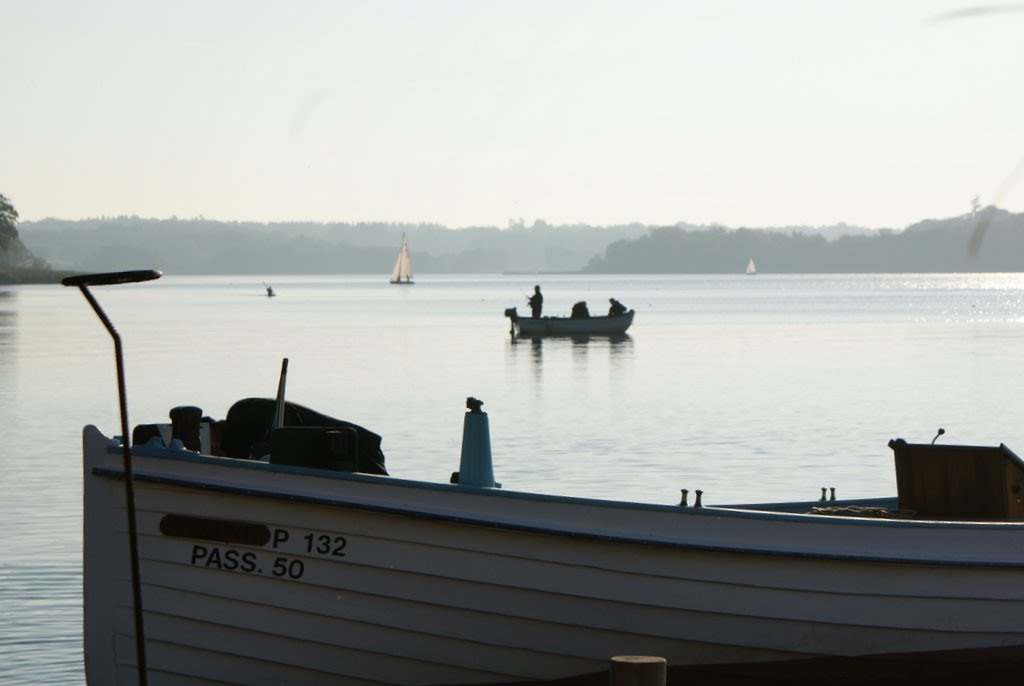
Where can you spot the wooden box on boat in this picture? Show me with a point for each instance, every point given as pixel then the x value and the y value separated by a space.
pixel 959 481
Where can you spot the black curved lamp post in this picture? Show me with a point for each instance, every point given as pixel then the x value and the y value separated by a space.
pixel 111 278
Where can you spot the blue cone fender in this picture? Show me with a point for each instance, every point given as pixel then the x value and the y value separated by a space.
pixel 476 467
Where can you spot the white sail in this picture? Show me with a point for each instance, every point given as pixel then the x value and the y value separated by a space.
pixel 402 273
pixel 751 269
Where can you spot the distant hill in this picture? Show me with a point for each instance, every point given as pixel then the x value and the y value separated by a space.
pixel 17 263
pixel 928 246
pixel 15 275
pixel 201 246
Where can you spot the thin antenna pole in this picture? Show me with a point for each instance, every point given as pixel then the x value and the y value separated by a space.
pixel 83 282
pixel 279 406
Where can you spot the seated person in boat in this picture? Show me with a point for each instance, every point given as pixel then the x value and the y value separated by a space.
pixel 580 311
pixel 616 308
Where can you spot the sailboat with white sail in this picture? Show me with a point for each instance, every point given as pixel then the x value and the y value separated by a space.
pixel 402 273
pixel 751 269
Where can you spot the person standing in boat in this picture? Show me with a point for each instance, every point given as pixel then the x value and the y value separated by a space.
pixel 616 308
pixel 536 302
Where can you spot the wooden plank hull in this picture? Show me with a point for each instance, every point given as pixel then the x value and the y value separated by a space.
pixel 566 326
pixel 365 579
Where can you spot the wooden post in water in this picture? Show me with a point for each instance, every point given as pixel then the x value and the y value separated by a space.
pixel 637 670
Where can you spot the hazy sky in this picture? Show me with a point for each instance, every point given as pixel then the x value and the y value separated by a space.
pixel 740 112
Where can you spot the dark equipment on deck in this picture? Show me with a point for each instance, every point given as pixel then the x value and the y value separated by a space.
pixel 305 438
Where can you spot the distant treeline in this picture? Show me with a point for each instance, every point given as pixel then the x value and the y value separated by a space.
pixel 201 246
pixel 929 246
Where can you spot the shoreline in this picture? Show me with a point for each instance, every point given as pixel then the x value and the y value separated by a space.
pixel 16 277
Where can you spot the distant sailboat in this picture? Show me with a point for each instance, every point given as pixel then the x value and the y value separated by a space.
pixel 751 269
pixel 402 273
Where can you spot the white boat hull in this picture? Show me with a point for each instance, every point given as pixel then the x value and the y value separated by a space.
pixel 368 579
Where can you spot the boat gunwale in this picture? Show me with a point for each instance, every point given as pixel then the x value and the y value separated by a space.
pixel 744 510
pixel 598 325
pixel 452 516
pixel 565 533
pixel 591 318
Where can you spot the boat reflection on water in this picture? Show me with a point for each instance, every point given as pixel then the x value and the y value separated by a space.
pixel 580 348
pixel 613 339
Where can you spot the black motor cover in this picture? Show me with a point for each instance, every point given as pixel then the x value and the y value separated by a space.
pixel 248 423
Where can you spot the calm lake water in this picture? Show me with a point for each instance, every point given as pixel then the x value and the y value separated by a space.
pixel 749 388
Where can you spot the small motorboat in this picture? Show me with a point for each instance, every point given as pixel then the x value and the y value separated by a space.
pixel 570 326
